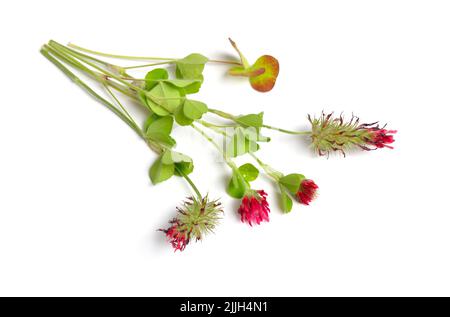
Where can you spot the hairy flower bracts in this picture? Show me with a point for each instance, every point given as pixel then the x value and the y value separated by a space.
pixel 195 219
pixel 331 134
pixel 254 208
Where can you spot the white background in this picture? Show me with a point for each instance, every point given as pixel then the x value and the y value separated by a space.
pixel 78 214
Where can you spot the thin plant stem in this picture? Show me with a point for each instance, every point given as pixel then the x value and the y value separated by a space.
pixel 190 182
pixel 109 74
pixel 91 92
pixel 224 62
pixel 118 56
pixel 229 116
pixel 120 104
pixel 209 124
pixel 121 89
pixel 98 60
pixel 147 65
pixel 126 117
pixel 77 55
pixel 79 48
pixel 93 74
pixel 73 62
pixel 269 170
pixel 214 128
pixel 222 114
pixel 286 131
pixel 229 162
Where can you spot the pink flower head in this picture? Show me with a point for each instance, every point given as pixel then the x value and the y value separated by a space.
pixel 380 138
pixel 254 208
pixel 330 134
pixel 177 237
pixel 307 191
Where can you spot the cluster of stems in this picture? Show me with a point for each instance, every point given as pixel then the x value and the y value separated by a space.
pixel 115 79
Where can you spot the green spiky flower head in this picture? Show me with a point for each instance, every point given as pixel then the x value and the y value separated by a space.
pixel 195 219
pixel 199 217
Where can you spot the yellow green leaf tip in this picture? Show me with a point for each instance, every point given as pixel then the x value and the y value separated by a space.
pixel 262 74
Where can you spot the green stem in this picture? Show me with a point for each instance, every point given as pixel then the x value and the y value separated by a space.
pixel 191 183
pixel 120 79
pixel 118 69
pixel 222 114
pixel 147 65
pixel 106 64
pixel 167 59
pixel 213 125
pixel 79 48
pixel 77 55
pixel 91 92
pixel 74 63
pixel 121 89
pixel 120 105
pixel 286 131
pixel 154 146
pixel 224 62
pixel 229 162
pixel 125 117
pixel 229 116
pixel 269 170
pixel 62 49
pixel 93 74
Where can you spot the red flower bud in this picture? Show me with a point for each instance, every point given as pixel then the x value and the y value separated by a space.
pixel 254 208
pixel 307 191
pixel 380 138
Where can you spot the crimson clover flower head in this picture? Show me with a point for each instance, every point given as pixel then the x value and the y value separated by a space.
pixel 329 134
pixel 307 191
pixel 254 207
pixel 195 219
